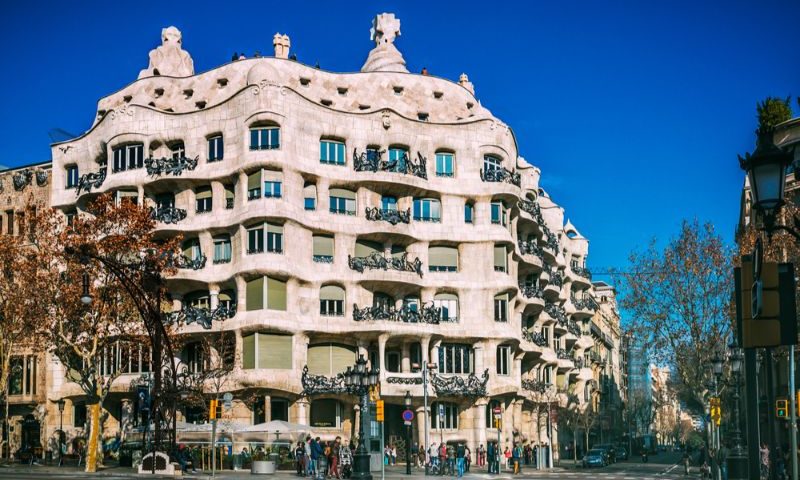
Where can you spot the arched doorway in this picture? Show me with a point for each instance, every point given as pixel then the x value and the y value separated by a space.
pixel 30 435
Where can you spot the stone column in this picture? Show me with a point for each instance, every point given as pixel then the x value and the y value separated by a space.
pixel 213 297
pixel 517 415
pixel 267 408
pixel 302 411
pixel 479 358
pixel 405 364
pixel 479 414
pixel 241 190
pixel 382 355
pixel 420 415
pixel 424 344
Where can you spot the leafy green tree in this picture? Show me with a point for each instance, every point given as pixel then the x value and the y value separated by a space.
pixel 772 111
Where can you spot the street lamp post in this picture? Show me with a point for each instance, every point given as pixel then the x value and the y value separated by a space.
pixel 737 461
pixel 358 380
pixel 407 402
pixel 717 364
pixel 60 404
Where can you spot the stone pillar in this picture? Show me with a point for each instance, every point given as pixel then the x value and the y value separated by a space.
pixel 302 411
pixel 267 408
pixel 420 415
pixel 382 355
pixel 424 344
pixel 213 297
pixel 517 413
pixel 241 189
pixel 479 413
pixel 479 358
pixel 405 363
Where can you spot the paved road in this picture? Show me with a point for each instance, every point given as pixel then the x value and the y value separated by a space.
pixel 661 467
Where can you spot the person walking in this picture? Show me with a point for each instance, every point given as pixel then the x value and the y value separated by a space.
pixel 516 454
pixel 481 455
pixel 490 457
pixel 507 457
pixel 300 459
pixel 764 457
pixel 309 462
pixel 433 455
pixel 686 463
pixel 460 455
pixel 467 458
pixel 722 461
pixel 393 453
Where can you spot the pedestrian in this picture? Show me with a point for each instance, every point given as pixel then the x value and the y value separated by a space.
pixel 451 459
pixel 490 457
pixel 345 461
pixel 309 462
pixel 337 444
pixel 481 455
pixel 443 455
pixel 461 453
pixel 421 456
pixel 507 456
pixel 722 461
pixel 518 462
pixel 300 459
pixel 433 455
pixel 764 457
pixel 686 463
pixel 393 452
pixel 468 458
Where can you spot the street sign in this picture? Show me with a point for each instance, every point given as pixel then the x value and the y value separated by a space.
pixel 498 412
pixel 228 399
pixel 408 415
pixel 379 410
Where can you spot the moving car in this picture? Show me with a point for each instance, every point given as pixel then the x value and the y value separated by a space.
pixel 594 458
pixel 610 454
pixel 622 452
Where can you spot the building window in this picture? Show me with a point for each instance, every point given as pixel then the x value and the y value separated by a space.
pixel 267 350
pixel 427 210
pixel 255 239
pixel 444 164
pixel 447 303
pixel 222 249
pixel 504 360
pixel 215 148
pixel 323 248
pixel 259 415
pixel 259 288
pixel 342 201
pixel 411 303
pixel 203 199
pixel 331 152
pixel 272 189
pixel 329 359
pixel 491 422
pixel 393 361
pixel 265 138
pixel 398 159
pixel 274 238
pixel 443 259
pixel 191 249
pixel 444 416
pixel 500 259
pixel 501 307
pixel 326 413
pixel 79 414
pixel 128 157
pixel 254 185
pixel 177 150
pixel 456 358
pixel 226 299
pixel 279 409
pixel 72 176
pixel 389 203
pixel 499 214
pixel 126 196
pixel 469 212
pixel 230 196
pixel 22 375
pixel 331 300
pixel 310 196
pixel 192 356
pixel 491 163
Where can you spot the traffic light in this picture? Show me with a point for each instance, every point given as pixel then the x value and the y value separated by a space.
pixel 212 409
pixel 379 410
pixel 781 408
pixel 715 410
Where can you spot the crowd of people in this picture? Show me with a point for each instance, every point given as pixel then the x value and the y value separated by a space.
pixel 316 458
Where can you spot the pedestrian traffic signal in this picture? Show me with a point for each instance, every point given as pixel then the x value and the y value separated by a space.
pixel 781 408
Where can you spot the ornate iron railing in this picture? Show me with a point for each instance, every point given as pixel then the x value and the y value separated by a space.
pixel 585 303
pixel 228 203
pixel 377 261
pixel 531 291
pixel 562 354
pixel 556 312
pixel 388 215
pixel 573 328
pixel 323 258
pixel 536 386
pixel 459 386
pixel 556 277
pixel 578 362
pixel 594 357
pixel 404 380
pixel 582 272
pixel 534 337
pixel 530 247
pixel 201 316
pixel 532 208
pixel 183 261
pixel 169 165
pixel 167 214
pixel 316 384
pixel 371 161
pixel 425 314
pixel 500 175
pixel 88 181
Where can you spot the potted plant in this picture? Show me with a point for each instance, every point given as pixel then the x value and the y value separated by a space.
pixel 260 465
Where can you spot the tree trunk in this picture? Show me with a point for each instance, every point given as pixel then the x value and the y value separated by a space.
pixel 94 434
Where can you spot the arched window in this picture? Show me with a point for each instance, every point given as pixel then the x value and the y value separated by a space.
pixel 342 201
pixel 442 259
pixel 265 137
pixel 323 248
pixel 177 150
pixel 491 163
pixel 227 299
pixel 427 210
pixel 331 300
pixel 444 416
pixel 191 249
pixel 203 199
pixel 490 419
pixel 447 303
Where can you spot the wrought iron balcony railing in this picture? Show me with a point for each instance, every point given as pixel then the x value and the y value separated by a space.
pixel 405 380
pixel 459 386
pixel 319 384
pixel 169 165
pixel 536 386
pixel 532 208
pixel 556 312
pixel 531 291
pixel 594 357
pixel 167 214
pixel 228 203
pixel 574 328
pixel 425 314
pixel 534 337
pixel 183 261
pixel 89 181
pixel 582 272
pixel 377 261
pixel 585 303
pixel 530 247
pixel 562 354
pixel 556 277
pixel 371 161
pixel 500 175
pixel 323 258
pixel 218 261
pixel 390 215
pixel 202 316
pixel 578 362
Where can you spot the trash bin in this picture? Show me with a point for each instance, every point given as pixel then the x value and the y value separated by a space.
pixel 322 467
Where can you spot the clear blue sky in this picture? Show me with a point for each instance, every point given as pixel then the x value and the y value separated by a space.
pixel 634 110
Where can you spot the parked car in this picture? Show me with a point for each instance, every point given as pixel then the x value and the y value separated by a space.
pixel 622 452
pixel 611 456
pixel 595 458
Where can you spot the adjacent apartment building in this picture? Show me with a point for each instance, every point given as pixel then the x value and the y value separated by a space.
pixel 379 213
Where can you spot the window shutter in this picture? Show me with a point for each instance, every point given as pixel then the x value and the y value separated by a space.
pixel 331 292
pixel 443 256
pixel 500 256
pixel 202 193
pixel 343 193
pixel 319 359
pixel 255 294
pixel 254 180
pixel 274 351
pixel 276 294
pixel 273 228
pixel 323 245
pixel 310 191
pixel 249 351
pixel 365 248
pixel 342 356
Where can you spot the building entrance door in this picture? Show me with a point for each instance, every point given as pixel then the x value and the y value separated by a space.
pixel 394 430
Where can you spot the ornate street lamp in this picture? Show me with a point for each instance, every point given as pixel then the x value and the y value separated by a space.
pixel 407 403
pixel 736 368
pixel 358 380
pixel 86 297
pixel 61 435
pixel 766 169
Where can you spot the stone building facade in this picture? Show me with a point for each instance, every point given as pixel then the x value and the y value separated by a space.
pixel 380 214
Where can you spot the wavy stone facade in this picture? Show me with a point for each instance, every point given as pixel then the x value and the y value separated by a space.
pixel 379 213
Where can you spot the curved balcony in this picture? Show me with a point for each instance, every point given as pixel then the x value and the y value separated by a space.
pixel 584 307
pixel 167 214
pixel 459 386
pixel 555 280
pixel 390 215
pixel 174 166
pixel 201 316
pixel 90 181
pixel 184 262
pixel 530 249
pixel 425 314
pixel 500 175
pixel 371 161
pixel 378 261
pixel 534 337
pixel 536 386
